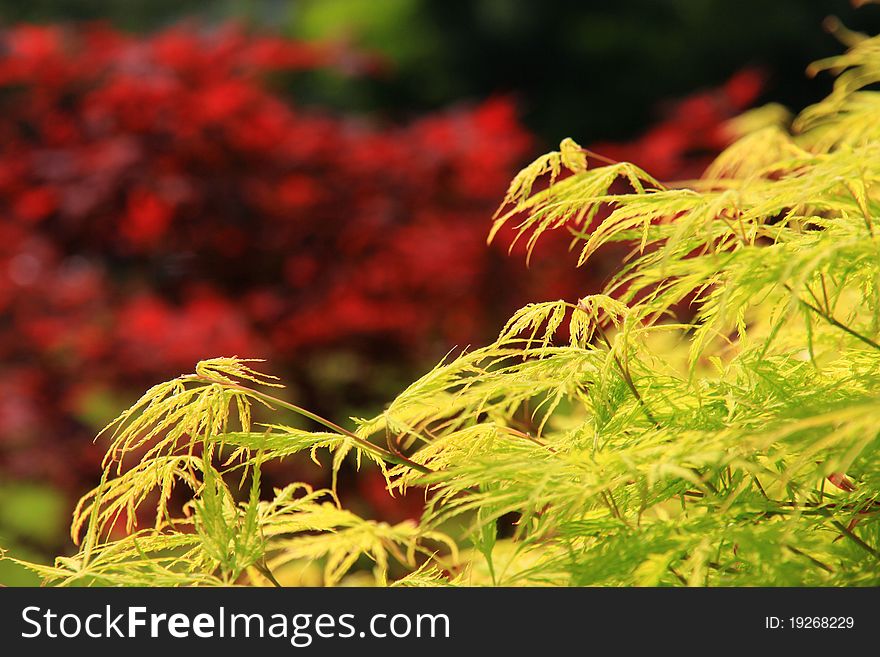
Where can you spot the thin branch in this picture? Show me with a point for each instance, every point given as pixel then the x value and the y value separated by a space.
pixel 860 201
pixel 828 308
pixel 830 319
pixel 801 553
pixel 855 539
pixel 816 299
pixel 760 487
pixel 366 445
pixel 522 434
pixel 267 573
pixel 608 498
pixel 394 447
pixel 624 371
pixel 676 573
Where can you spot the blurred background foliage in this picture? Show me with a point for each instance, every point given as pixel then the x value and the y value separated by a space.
pixel 183 193
pixel 564 59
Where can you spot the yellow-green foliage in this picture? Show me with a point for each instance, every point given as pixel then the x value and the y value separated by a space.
pixel 712 419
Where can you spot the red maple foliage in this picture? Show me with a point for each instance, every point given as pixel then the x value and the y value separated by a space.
pixel 162 201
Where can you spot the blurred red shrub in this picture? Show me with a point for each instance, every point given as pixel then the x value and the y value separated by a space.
pixel 162 201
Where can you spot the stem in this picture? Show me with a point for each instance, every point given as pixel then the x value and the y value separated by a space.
pixel 529 437
pixel 596 156
pixel 703 480
pixel 828 308
pixel 828 318
pixel 850 535
pixel 394 447
pixel 816 299
pixel 860 201
pixel 267 573
pixel 801 553
pixel 760 487
pixel 608 498
pixel 366 445
pixel 624 371
pixel 676 573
